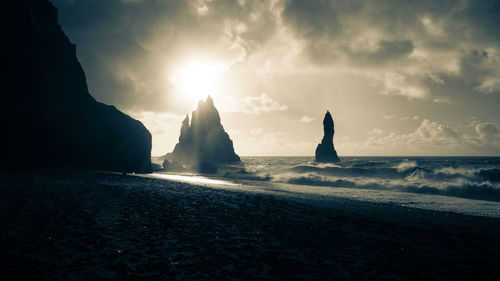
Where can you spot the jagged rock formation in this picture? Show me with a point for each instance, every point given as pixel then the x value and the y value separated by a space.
pixel 325 152
pixel 49 119
pixel 204 140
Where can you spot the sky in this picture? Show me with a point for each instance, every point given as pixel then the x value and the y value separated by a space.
pixel 401 78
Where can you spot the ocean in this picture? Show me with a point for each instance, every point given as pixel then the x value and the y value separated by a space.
pixel 469 185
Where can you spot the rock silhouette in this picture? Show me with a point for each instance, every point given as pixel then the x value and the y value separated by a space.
pixel 204 140
pixel 49 120
pixel 173 166
pixel 325 151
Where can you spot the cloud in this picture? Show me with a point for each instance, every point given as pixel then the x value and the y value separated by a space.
pixel 251 104
pixel 306 54
pixel 376 131
pixel 406 118
pixel 488 134
pixel 427 134
pixel 432 26
pixel 127 48
pixel 401 85
pixel 434 133
pixel 403 47
pixel 306 119
pixel 486 129
pixel 429 138
pixel 384 52
pixel 439 99
pixel 401 118
pixel 313 20
pixel 483 67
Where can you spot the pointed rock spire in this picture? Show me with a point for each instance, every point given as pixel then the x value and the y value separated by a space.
pixel 328 128
pixel 325 152
pixel 209 100
pixel 204 139
pixel 184 129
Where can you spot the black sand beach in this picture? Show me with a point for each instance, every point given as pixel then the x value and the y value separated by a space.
pixel 94 226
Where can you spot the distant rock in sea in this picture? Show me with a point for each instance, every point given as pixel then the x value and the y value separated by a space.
pixel 49 120
pixel 203 141
pixel 325 152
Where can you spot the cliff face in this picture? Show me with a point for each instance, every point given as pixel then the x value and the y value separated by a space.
pixel 325 152
pixel 49 119
pixel 204 139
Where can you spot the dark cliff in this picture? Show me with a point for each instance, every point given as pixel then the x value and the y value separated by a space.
pixel 204 139
pixel 325 152
pixel 49 120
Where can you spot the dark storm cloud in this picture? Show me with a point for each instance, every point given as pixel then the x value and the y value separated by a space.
pixel 313 20
pixel 385 52
pixel 396 36
pixel 482 68
pixel 393 21
pixel 483 19
pixel 339 30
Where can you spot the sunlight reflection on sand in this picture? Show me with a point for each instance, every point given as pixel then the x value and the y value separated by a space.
pixel 191 179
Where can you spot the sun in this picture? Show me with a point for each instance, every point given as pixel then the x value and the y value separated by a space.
pixel 197 80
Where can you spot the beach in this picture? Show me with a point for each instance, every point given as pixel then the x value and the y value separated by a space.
pixel 76 225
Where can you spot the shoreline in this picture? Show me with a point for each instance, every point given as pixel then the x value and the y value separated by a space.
pixel 316 194
pixel 89 225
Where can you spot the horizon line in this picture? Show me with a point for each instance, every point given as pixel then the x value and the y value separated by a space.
pixel 361 156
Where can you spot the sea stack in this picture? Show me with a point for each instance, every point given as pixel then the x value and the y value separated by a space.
pixel 49 119
pixel 325 152
pixel 204 139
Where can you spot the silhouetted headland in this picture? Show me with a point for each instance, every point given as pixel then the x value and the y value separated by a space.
pixel 204 142
pixel 49 119
pixel 325 151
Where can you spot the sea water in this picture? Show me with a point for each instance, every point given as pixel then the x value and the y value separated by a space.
pixel 469 185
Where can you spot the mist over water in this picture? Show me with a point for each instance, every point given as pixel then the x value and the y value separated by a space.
pixel 467 177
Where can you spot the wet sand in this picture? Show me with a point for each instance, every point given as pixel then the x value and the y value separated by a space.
pixel 95 226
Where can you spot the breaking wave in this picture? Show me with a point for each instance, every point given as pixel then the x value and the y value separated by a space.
pixel 474 177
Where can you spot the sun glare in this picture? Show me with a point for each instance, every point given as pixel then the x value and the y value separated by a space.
pixel 198 80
